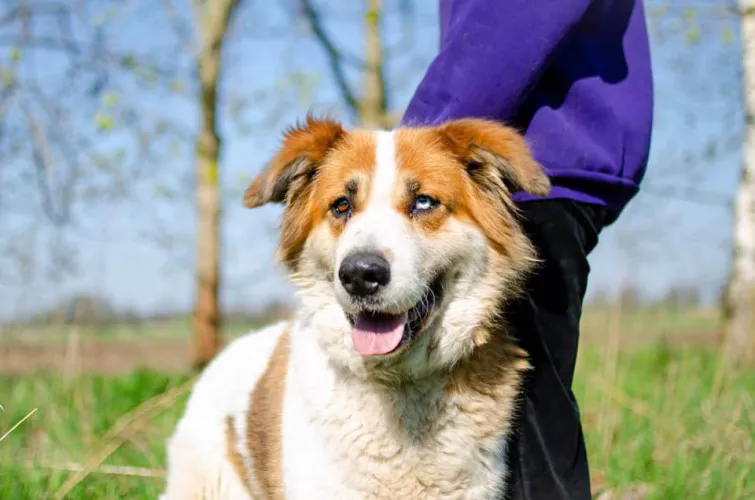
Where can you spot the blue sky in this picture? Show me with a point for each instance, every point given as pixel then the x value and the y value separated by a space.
pixel 675 232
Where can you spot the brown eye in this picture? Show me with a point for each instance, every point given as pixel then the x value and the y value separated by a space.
pixel 341 207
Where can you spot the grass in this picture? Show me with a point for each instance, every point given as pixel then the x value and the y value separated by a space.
pixel 655 414
pixel 649 323
pixel 170 329
pixel 665 418
pixel 73 422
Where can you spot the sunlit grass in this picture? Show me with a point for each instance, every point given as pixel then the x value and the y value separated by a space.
pixel 661 421
pixel 645 323
pixel 69 427
pixel 657 415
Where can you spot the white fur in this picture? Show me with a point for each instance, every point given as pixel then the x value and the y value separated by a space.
pixel 197 450
pixel 381 229
pixel 341 436
pixel 335 436
pixel 333 430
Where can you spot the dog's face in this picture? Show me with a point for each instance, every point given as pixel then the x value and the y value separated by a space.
pixel 402 244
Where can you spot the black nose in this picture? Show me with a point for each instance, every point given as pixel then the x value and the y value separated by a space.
pixel 364 273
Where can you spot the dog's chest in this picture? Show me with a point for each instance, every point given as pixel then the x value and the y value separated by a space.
pixel 418 443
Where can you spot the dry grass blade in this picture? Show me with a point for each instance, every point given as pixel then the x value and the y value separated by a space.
pixel 618 396
pixel 112 470
pixel 118 433
pixel 17 424
pixel 636 492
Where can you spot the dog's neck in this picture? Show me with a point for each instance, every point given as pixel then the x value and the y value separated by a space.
pixel 493 361
pixel 446 428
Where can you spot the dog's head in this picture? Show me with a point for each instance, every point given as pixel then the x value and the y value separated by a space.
pixel 402 244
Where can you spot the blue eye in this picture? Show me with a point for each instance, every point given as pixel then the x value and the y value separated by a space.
pixel 423 203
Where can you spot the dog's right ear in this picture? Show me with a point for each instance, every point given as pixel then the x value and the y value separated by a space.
pixel 304 146
pixel 495 155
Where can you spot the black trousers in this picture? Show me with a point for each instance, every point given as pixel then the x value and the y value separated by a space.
pixel 547 456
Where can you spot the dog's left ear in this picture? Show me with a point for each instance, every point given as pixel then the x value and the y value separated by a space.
pixel 495 156
pixel 295 164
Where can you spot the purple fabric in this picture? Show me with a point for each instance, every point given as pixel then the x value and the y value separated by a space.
pixel 574 75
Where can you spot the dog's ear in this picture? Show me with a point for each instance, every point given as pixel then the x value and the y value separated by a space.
pixel 295 164
pixel 495 156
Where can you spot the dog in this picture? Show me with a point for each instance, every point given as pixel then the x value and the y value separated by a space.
pixel 397 377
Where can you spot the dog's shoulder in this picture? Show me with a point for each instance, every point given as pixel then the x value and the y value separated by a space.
pixel 211 437
pixel 249 353
pixel 228 381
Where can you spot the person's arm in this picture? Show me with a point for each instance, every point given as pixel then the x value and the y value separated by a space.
pixel 492 53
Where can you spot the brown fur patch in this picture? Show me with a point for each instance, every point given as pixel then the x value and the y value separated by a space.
pixel 469 165
pixel 317 163
pixel 490 364
pixel 264 422
pixel 345 174
pixel 233 454
pixel 492 374
pixel 494 150
pixel 431 166
pixel 304 146
pixel 288 178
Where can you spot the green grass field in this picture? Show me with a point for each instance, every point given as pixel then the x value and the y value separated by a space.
pixel 660 416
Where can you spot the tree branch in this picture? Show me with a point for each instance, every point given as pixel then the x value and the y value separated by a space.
pixel 43 164
pixel 334 56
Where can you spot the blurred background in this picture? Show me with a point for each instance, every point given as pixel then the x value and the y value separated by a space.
pixel 130 129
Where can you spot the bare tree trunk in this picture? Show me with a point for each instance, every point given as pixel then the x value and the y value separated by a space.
pixel 212 18
pixel 373 106
pixel 739 328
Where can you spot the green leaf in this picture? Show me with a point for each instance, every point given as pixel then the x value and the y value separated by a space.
pixel 109 13
pixel 728 35
pixel 657 11
pixel 300 82
pixel 164 192
pixel 101 162
pixel 8 78
pixel 693 35
pixel 371 16
pixel 129 62
pixel 176 85
pixel 15 54
pixel 110 99
pixel 103 121
pixel 148 74
pixel 119 155
pixel 175 148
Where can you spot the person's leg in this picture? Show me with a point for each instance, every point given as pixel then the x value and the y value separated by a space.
pixel 548 460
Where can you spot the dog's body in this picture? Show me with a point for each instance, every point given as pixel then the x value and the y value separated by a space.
pixel 396 378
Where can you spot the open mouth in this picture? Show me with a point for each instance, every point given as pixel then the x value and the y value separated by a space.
pixel 380 333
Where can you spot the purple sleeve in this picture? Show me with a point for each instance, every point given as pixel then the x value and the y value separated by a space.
pixel 492 53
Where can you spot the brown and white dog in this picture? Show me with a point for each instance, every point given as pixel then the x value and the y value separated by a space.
pixel 396 378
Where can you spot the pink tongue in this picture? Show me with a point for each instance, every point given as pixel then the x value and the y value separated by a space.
pixel 378 334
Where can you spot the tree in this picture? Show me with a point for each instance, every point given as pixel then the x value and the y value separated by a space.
pixel 739 314
pixel 374 105
pixel 70 144
pixel 370 107
pixel 87 140
pixel 212 20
